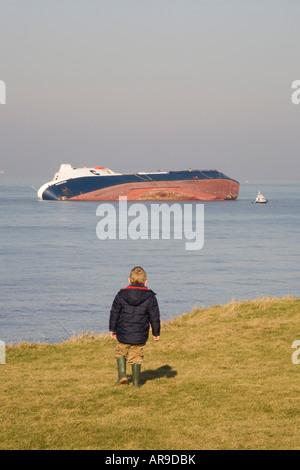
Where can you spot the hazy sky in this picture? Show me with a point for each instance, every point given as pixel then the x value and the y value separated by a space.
pixel 141 85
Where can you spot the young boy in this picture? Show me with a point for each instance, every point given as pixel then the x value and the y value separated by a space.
pixel 134 309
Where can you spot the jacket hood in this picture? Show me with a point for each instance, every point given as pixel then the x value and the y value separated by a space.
pixel 136 295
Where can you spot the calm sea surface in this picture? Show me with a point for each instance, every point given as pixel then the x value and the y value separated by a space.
pixel 58 279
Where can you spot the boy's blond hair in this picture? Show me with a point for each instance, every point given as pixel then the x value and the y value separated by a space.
pixel 138 276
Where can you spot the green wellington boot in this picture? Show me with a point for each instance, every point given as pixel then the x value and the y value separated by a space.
pixel 136 371
pixel 122 379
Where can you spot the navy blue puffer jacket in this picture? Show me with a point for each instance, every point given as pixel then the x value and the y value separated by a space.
pixel 134 309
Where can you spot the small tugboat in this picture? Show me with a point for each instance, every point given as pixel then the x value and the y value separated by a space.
pixel 260 199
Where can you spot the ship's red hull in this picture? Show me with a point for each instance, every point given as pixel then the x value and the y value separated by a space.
pixel 201 190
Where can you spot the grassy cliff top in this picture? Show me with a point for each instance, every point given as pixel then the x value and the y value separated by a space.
pixel 219 378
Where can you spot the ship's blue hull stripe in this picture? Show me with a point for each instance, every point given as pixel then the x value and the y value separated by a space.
pixel 83 185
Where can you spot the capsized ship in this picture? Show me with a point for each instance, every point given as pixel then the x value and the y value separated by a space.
pixel 101 184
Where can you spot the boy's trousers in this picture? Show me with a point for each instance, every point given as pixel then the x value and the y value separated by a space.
pixel 134 353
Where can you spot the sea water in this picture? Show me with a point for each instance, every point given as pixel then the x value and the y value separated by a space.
pixel 58 279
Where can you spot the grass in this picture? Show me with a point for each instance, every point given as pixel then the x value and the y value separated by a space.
pixel 219 378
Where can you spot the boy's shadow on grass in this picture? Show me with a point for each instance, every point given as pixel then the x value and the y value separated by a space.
pixel 163 371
